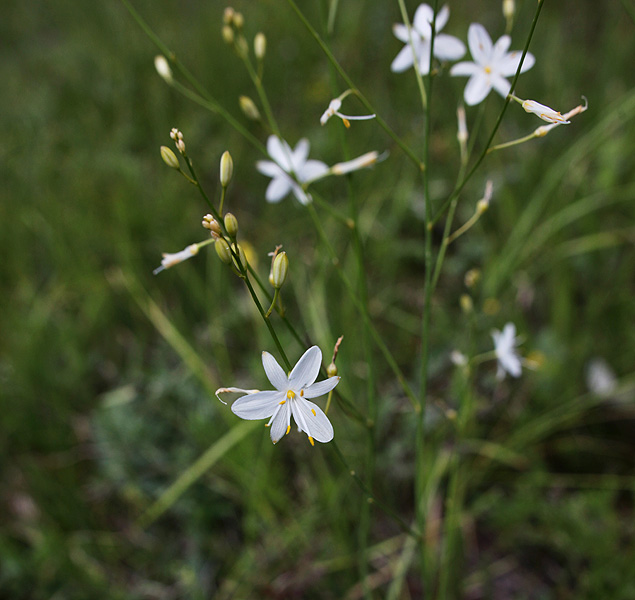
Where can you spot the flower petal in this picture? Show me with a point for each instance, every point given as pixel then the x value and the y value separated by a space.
pixel 280 423
pixel 511 363
pixel 422 20
pixel 306 369
pixel 423 54
pixel 275 373
pixel 500 48
pixel 500 84
pixel 233 390
pixel 260 405
pixel 400 31
pixel 280 152
pixel 465 69
pixel 447 47
pixel 403 60
pixel 477 88
pixel 312 169
pixel 300 194
pixel 321 387
pixel 277 189
pixel 312 420
pixel 300 154
pixel 480 43
pixel 268 168
pixel 442 18
pixel 508 65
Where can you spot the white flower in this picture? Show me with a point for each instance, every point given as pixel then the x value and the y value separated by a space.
pixel 291 397
pixel 289 169
pixel 163 68
pixel 446 47
pixel 492 63
pixel 169 260
pixel 505 349
pixel 544 112
pixel 600 378
pixel 545 129
pixel 334 109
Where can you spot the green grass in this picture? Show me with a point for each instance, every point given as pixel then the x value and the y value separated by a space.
pixel 106 372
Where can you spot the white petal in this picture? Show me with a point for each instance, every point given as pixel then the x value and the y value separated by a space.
pixel 509 334
pixel 447 47
pixel 403 60
pixel 306 369
pixel 442 18
pixel 423 19
pixel 260 405
pixel 312 420
pixel 500 48
pixel 268 168
pixel 233 390
pixel 500 84
pixel 477 89
pixel 275 372
pixel 400 31
pixel 480 43
pixel 321 387
pixel 280 152
pixel 277 189
pixel 465 68
pixel 312 169
pixel 300 154
pixel 280 423
pixel 511 363
pixel 424 57
pixel 508 65
pixel 300 194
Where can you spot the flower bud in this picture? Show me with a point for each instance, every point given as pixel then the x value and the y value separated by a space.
pixel 279 269
pixel 163 68
pixel 509 8
pixel 231 224
pixel 260 45
pixel 228 15
pixel 228 35
pixel 331 370
pixel 467 306
pixel 169 158
pixel 226 168
pixel 472 277
pixel 209 222
pixel 223 251
pixel 249 108
pixel 238 20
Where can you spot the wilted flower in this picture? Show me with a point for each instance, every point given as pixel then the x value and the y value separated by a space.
pixel 505 348
pixel 289 169
pixel 361 162
pixel 492 63
pixel 333 110
pixel 446 47
pixel 169 260
pixel 290 397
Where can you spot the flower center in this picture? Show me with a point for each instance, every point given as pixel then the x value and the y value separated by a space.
pixel 290 395
pixel 488 69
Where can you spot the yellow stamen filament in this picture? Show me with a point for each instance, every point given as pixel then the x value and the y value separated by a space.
pixel 313 411
pixel 288 429
pixel 311 440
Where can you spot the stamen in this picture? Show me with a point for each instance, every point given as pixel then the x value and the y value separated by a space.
pixel 346 123
pixel 311 440
pixel 290 394
pixel 488 70
pixel 302 393
pixel 313 411
pixel 282 402
pixel 288 429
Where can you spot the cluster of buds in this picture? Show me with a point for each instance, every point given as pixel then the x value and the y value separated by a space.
pixel 212 225
pixel 233 22
pixel 177 136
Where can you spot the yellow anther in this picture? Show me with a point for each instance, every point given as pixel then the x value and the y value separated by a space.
pixel 282 402
pixel 266 424
pixel 290 394
pixel 302 393
pixel 313 411
pixel 311 440
pixel 288 429
pixel 488 70
pixel 347 123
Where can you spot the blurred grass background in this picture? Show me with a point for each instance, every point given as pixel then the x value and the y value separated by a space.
pixel 102 411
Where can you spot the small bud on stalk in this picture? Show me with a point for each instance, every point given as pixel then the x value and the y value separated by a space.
pixel 169 158
pixel 260 45
pixel 279 269
pixel 231 224
pixel 248 107
pixel 226 168
pixel 223 251
pixel 163 68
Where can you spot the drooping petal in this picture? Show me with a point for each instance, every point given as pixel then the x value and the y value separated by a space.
pixel 477 88
pixel 500 84
pixel 465 69
pixel 300 154
pixel 277 189
pixel 447 47
pixel 275 373
pixel 321 387
pixel 306 369
pixel 400 31
pixel 280 423
pixel 233 390
pixel 480 43
pixel 312 169
pixel 423 19
pixel 260 405
pixel 403 60
pixel 268 168
pixel 442 18
pixel 279 151
pixel 312 420
pixel 508 65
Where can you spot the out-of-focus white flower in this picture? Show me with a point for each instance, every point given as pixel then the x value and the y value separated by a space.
pixel 361 162
pixel 289 169
pixel 333 110
pixel 458 358
pixel 290 397
pixel 492 63
pixel 446 47
pixel 483 204
pixel 169 260
pixel 600 378
pixel 163 68
pixel 505 348
pixel 545 129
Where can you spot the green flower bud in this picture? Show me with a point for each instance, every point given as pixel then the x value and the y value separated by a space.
pixel 226 168
pixel 169 158
pixel 223 251
pixel 231 224
pixel 249 108
pixel 239 20
pixel 228 35
pixel 260 45
pixel 279 269
pixel 331 370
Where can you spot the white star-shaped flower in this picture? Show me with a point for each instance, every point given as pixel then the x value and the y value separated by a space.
pixel 492 63
pixel 289 169
pixel 291 397
pixel 505 349
pixel 446 47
